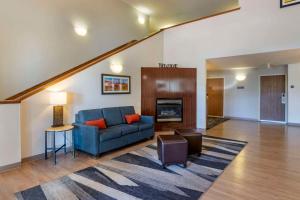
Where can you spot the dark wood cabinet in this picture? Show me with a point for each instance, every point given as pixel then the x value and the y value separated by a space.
pixel 171 83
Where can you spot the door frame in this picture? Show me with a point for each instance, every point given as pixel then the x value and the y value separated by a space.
pixel 286 94
pixel 223 97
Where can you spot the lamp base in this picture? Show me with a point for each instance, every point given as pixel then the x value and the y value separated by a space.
pixel 58 116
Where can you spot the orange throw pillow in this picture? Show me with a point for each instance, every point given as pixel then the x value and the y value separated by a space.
pixel 132 118
pixel 100 123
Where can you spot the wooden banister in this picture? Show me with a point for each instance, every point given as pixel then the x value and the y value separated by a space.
pixel 10 102
pixel 203 18
pixel 37 88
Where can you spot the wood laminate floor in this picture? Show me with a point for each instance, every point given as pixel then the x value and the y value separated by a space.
pixel 268 168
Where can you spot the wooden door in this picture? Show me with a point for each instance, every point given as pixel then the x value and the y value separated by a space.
pixel 272 98
pixel 215 96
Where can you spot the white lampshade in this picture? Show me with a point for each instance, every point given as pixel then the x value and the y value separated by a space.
pixel 58 98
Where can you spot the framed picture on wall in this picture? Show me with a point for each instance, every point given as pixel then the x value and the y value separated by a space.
pixel 286 3
pixel 115 84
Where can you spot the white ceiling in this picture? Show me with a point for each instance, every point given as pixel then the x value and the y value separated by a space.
pixel 171 12
pixel 277 58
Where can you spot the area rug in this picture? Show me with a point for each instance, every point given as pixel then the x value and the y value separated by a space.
pixel 215 121
pixel 139 175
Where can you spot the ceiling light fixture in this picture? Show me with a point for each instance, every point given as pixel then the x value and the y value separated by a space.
pixel 240 77
pixel 116 68
pixel 141 19
pixel 80 29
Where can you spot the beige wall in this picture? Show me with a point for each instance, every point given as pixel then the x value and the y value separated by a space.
pixel 84 91
pixel 10 137
pixel 244 103
pixel 294 94
pixel 38 41
pixel 260 26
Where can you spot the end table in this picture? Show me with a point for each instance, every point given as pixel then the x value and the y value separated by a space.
pixel 54 131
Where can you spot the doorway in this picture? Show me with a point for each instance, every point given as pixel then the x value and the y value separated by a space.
pixel 273 98
pixel 215 97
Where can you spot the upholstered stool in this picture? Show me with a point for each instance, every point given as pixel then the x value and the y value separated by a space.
pixel 172 149
pixel 194 138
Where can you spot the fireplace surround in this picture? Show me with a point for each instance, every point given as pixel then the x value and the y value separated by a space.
pixel 170 83
pixel 169 110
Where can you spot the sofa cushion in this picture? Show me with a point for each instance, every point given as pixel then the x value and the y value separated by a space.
pixel 126 110
pixel 142 126
pixel 112 116
pixel 100 123
pixel 128 129
pixel 88 115
pixel 132 118
pixel 110 133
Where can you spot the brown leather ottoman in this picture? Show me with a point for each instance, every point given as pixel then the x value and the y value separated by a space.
pixel 194 138
pixel 172 149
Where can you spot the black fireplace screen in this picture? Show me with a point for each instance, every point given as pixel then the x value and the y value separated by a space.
pixel 169 110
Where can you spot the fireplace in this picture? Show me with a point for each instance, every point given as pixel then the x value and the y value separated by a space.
pixel 169 110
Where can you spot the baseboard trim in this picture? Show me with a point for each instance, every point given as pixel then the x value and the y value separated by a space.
pixel 10 167
pixel 242 119
pixel 294 124
pixel 42 155
pixel 33 158
pixel 273 122
pixel 216 116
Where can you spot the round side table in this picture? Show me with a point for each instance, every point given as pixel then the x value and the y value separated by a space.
pixel 54 131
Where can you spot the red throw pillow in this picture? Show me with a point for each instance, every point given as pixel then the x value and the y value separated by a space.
pixel 100 123
pixel 132 118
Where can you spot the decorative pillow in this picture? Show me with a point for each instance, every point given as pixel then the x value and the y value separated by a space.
pixel 100 123
pixel 132 118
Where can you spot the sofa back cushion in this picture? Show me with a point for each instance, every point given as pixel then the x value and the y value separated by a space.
pixel 88 115
pixel 112 116
pixel 126 110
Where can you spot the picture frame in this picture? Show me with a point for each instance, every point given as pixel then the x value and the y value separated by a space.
pixel 287 3
pixel 115 84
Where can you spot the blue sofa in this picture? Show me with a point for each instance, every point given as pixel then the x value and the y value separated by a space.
pixel 118 134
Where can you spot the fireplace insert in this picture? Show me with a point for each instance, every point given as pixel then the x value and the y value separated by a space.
pixel 169 110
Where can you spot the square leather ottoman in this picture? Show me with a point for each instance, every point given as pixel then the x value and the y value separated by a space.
pixel 194 138
pixel 172 149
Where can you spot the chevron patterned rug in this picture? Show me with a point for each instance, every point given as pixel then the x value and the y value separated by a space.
pixel 139 175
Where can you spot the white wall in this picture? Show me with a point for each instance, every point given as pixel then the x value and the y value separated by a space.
pixel 244 103
pixel 84 90
pixel 260 26
pixel 10 136
pixel 294 94
pixel 38 40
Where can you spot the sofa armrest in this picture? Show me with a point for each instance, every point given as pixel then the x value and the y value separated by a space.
pixel 86 138
pixel 147 119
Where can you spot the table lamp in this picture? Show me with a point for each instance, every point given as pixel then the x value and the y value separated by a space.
pixel 58 99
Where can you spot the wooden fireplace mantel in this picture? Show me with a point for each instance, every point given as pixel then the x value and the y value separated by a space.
pixel 170 83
